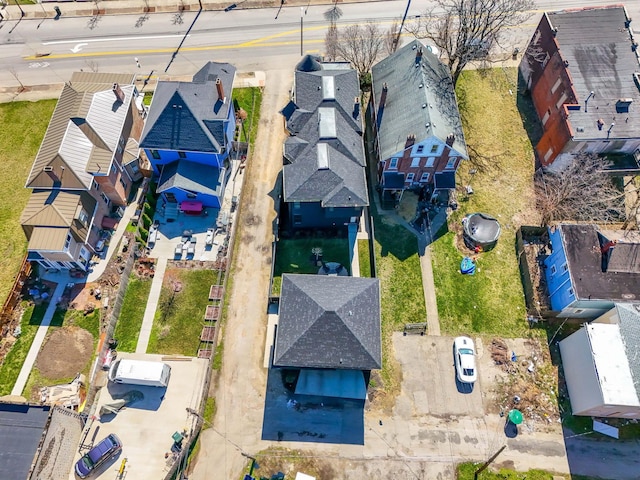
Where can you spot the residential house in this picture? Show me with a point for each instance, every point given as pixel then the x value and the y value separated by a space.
pixel 600 364
pixel 415 120
pixel 188 137
pixel 589 270
pixel 582 70
pixel 324 179
pixel 84 169
pixel 328 334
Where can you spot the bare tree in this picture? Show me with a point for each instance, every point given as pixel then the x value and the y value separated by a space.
pixel 392 40
pixel 466 30
pixel 92 65
pixel 14 74
pixel 581 192
pixel 331 42
pixel 358 44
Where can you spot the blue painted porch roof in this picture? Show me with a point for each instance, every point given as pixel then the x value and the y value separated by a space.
pixel 191 176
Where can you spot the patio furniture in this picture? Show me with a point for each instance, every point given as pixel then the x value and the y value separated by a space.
pixel 191 248
pixel 153 235
pixel 209 238
pixel 178 251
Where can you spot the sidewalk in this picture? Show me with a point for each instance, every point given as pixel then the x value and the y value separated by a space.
pixel 152 305
pixel 130 7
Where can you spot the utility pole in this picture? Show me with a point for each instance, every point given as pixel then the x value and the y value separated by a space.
pixel 488 462
pixel 404 17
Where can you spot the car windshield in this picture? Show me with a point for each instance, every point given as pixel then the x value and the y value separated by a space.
pixel 87 462
pixel 466 351
pixel 468 371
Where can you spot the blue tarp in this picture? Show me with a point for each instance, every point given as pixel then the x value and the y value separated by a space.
pixel 467 266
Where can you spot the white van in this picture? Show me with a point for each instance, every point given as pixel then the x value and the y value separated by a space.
pixel 139 372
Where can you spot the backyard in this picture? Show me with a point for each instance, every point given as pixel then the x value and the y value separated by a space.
pixel 133 307
pixel 500 172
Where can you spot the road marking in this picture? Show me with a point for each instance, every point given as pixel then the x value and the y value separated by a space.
pixel 113 39
pixel 39 65
pixel 78 47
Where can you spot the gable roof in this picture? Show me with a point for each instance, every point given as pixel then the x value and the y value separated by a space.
pixel 597 47
pixel 590 278
pixel 191 176
pixel 329 322
pixel 412 83
pixel 56 209
pixel 325 149
pixel 83 132
pixel 191 116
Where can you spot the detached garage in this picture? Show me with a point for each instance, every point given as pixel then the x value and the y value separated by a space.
pixel 600 365
pixel 328 334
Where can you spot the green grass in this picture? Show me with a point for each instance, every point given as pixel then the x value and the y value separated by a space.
pixel 66 318
pixel 209 412
pixel 12 364
pixel 294 256
pixel 492 301
pixel 363 257
pixel 130 319
pixel 217 357
pixel 146 100
pixel 180 316
pixel 249 99
pixel 402 296
pixel 23 127
pixel 465 471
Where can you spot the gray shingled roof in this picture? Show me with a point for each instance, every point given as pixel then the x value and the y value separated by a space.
pixel 329 322
pixel 409 88
pixel 582 248
pixel 629 314
pixel 191 176
pixel 324 102
pixel 598 48
pixel 190 116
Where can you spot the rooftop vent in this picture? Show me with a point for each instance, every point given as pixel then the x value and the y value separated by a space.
pixel 623 104
pixel 600 123
pixel 580 129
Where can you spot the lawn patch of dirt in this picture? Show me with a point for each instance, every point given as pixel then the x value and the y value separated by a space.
pixel 65 353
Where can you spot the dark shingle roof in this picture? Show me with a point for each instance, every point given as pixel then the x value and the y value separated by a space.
pixel 324 123
pixel 329 322
pixel 190 116
pixel 409 88
pixel 629 324
pixel 584 258
pixel 191 176
pixel 597 45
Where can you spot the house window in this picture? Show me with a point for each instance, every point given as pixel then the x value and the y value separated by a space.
pixel 434 148
pixel 296 205
pixel 430 162
pixel 548 154
pixel 420 149
pixel 570 292
pixel 96 185
pixel 182 155
pixel 415 162
pixel 565 267
pixel 83 217
pixel 67 242
pixel 424 177
pixel 119 150
pixel 124 184
pixel 105 198
pixel 113 168
pixel 553 269
pixel 556 85
pixel 155 154
pixel 410 177
pixel 297 219
pixel 451 163
pixel 393 164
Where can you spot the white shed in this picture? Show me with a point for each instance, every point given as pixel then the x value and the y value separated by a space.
pixel 601 379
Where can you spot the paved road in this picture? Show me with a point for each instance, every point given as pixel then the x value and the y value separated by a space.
pixel 250 39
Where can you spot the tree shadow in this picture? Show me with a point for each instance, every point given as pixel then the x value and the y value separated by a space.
pixel 528 114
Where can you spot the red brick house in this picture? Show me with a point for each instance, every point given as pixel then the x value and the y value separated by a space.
pixel 582 70
pixel 418 136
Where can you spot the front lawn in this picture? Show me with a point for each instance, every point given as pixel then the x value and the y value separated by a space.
pixel 295 256
pixel 23 127
pixel 250 100
pixel 491 301
pixel 132 313
pixel 180 316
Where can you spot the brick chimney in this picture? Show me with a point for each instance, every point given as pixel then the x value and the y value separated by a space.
pixel 118 93
pixel 220 89
pixel 356 107
pixel 450 139
pixel 418 56
pixel 411 140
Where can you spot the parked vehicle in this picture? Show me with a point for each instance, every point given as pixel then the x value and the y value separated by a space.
pixel 98 455
pixel 139 372
pixel 465 360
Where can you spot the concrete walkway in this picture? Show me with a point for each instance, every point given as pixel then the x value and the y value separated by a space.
pixel 152 305
pixel 37 341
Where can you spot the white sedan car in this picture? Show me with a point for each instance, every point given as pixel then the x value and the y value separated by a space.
pixel 465 359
